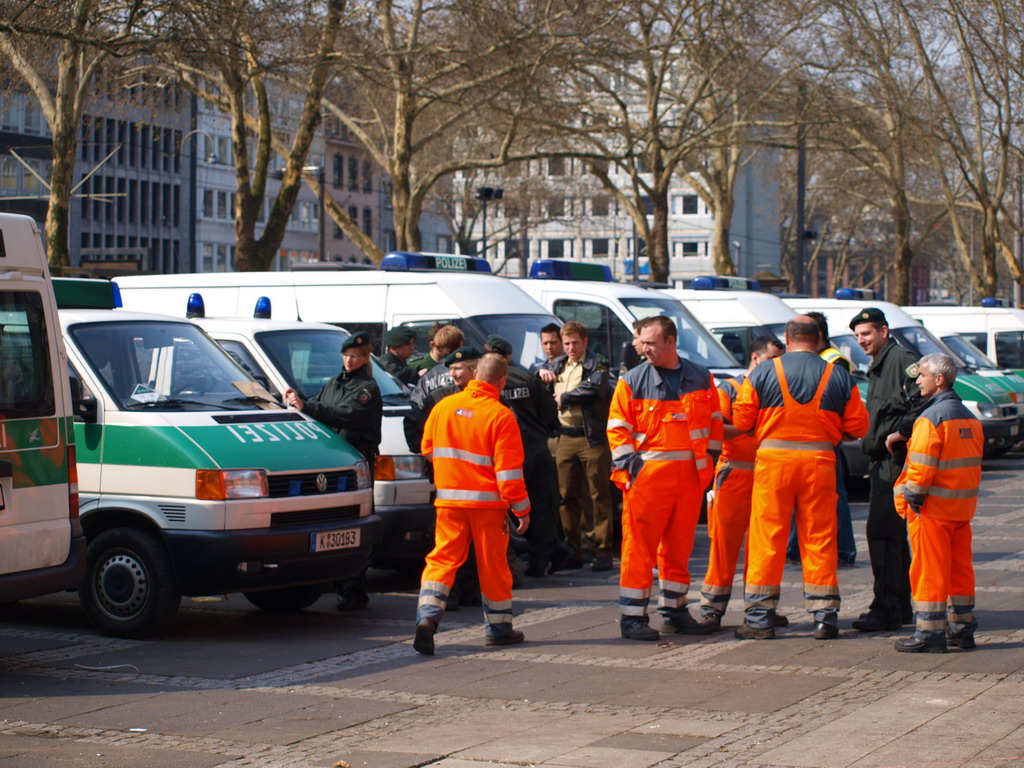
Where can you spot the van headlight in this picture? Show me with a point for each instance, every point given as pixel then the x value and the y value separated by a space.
pixel 990 410
pixel 362 474
pixel 409 467
pixel 221 484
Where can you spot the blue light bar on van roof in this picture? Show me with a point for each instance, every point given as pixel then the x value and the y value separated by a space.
pixel 404 261
pixel 262 311
pixel 992 301
pixel 724 283
pixel 195 306
pixel 86 293
pixel 861 294
pixel 563 269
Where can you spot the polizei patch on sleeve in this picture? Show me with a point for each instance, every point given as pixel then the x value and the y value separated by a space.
pixel 913 370
pixel 464 412
pixel 966 433
pixel 364 396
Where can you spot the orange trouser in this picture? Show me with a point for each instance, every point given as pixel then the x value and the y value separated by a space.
pixel 728 520
pixel 488 530
pixel 659 517
pixel 785 480
pixel 941 571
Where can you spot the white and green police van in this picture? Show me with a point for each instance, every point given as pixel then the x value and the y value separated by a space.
pixel 193 480
pixel 42 547
pixel 305 356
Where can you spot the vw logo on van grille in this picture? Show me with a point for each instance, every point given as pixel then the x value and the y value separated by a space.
pixel 321 482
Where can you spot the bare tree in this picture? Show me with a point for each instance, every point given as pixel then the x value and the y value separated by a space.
pixel 969 54
pixel 433 89
pixel 231 53
pixel 57 50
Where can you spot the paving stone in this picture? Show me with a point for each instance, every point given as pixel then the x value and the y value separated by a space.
pixel 603 757
pixel 688 727
pixel 30 752
pixel 768 692
pixel 650 742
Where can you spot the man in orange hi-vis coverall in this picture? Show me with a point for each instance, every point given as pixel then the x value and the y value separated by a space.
pixel 799 407
pixel 729 510
pixel 665 431
pixel 937 493
pixel 474 443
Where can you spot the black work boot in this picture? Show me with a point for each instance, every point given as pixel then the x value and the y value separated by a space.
pixel 637 628
pixel 915 644
pixel 424 640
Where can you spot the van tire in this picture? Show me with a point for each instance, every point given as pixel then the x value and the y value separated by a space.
pixel 286 599
pixel 129 589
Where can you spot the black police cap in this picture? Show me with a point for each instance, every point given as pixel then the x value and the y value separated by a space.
pixel 868 315
pixel 499 345
pixel 396 337
pixel 462 354
pixel 360 339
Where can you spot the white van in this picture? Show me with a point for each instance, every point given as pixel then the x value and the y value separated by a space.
pixel 996 331
pixel 586 294
pixel 194 481
pixel 306 356
pixel 984 397
pixel 42 547
pixel 414 290
pixel 735 316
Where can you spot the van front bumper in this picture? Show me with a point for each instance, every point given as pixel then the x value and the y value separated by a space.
pixel 211 562
pixel 1000 434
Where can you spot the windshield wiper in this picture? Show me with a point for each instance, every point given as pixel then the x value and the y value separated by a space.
pixel 171 401
pixel 252 399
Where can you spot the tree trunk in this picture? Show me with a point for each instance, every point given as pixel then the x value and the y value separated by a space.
pixel 902 254
pixel 720 256
pixel 657 245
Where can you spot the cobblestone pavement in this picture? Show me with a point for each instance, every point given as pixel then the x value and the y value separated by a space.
pixel 231 686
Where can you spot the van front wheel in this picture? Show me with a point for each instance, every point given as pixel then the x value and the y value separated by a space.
pixel 286 599
pixel 129 589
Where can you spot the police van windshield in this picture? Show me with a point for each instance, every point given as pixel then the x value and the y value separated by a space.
pixel 521 331
pixel 921 342
pixel 162 366
pixel 847 344
pixel 308 359
pixel 967 352
pixel 695 343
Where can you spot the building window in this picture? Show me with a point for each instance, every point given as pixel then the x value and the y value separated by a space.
pixel 556 206
pixel 339 171
pixel 685 205
pixel 599 247
pixel 685 248
pixel 353 173
pixel 367 177
pixel 556 166
pixel 9 175
pixel 599 206
pixel 368 222
pixel 556 249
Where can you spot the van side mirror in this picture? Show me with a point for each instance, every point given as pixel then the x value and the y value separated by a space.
pixel 84 408
pixel 628 355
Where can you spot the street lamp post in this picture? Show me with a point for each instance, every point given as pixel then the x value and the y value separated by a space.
pixel 484 194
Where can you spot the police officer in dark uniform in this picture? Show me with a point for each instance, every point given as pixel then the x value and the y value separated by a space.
pixel 401 345
pixel 535 410
pixel 351 405
pixel 893 403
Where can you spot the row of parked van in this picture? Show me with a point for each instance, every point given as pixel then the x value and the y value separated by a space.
pixel 140 461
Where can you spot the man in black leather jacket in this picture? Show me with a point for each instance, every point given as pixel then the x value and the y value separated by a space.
pixel 893 402
pixel 582 392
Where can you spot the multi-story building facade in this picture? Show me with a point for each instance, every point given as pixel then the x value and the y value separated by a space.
pixel 576 218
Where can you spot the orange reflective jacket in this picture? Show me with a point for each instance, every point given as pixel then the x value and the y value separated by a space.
pixel 647 422
pixel 943 471
pixel 741 450
pixel 801 377
pixel 477 452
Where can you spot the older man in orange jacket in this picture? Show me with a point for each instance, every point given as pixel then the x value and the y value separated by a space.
pixel 474 443
pixel 937 493
pixel 799 407
pixel 665 432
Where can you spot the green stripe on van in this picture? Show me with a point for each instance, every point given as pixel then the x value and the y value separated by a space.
pixel 276 447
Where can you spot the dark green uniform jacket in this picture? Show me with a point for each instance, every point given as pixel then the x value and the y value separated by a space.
pixel 399 368
pixel 351 405
pixel 422 362
pixel 893 400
